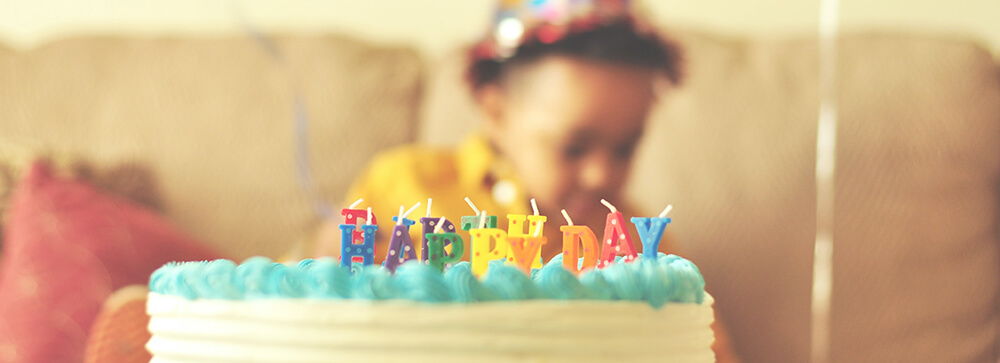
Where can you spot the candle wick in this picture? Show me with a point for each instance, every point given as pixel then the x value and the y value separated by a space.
pixel 608 204
pixel 355 204
pixel 440 225
pixel 369 219
pixel 429 201
pixel 666 210
pixel 399 220
pixel 534 206
pixel 569 220
pixel 413 208
pixel 471 205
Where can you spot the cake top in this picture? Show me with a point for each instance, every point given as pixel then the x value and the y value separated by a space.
pixel 667 279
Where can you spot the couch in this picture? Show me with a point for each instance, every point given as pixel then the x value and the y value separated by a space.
pixel 201 130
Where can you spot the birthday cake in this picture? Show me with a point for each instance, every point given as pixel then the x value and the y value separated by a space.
pixel 631 307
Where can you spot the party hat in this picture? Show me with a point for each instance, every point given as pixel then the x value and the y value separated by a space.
pixel 517 22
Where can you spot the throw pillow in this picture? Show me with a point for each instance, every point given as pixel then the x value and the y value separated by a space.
pixel 67 246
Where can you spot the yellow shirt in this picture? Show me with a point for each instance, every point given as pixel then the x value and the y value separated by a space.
pixel 413 173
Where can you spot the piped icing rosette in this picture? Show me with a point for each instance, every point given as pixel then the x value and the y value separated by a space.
pixel 668 279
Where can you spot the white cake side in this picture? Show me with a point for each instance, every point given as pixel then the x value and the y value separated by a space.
pixel 313 330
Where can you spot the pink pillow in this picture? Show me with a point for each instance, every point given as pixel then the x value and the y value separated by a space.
pixel 67 247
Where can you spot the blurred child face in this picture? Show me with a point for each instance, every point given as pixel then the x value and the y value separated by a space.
pixel 569 128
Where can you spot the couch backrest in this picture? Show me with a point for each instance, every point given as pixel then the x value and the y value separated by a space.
pixel 917 256
pixel 7 177
pixel 212 120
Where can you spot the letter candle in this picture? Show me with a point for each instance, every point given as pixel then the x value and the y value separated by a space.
pixel 515 223
pixel 573 236
pixel 524 249
pixel 432 225
pixel 350 249
pixel 400 245
pixel 482 253
pixel 616 238
pixel 440 223
pixel 436 241
pixel 651 231
pixel 470 222
pixel 353 216
pixel 536 221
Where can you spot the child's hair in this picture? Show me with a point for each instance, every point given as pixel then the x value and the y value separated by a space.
pixel 616 43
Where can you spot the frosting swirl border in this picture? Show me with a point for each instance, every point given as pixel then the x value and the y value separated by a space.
pixel 668 279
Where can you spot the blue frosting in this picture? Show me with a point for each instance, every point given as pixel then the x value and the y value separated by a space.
pixel 218 280
pixel 554 282
pixel 668 279
pixel 325 278
pixel 421 282
pixel 597 286
pixel 465 287
pixel 373 284
pixel 253 277
pixel 624 280
pixel 509 283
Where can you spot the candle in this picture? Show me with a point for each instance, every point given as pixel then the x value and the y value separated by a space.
pixel 352 249
pixel 437 256
pixel 482 252
pixel 522 251
pixel 573 237
pixel 515 228
pixel 440 223
pixel 353 216
pixel 515 225
pixel 616 238
pixel 409 211
pixel 432 225
pixel 650 232
pixel 471 222
pixel 400 245
pixel 472 205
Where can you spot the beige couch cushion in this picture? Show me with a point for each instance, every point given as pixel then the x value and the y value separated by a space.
pixel 7 174
pixel 212 119
pixel 916 258
pixel 6 74
pixel 916 247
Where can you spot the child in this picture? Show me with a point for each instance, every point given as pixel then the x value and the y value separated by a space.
pixel 564 89
pixel 563 107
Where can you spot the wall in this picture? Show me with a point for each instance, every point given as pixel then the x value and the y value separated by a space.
pixel 438 25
